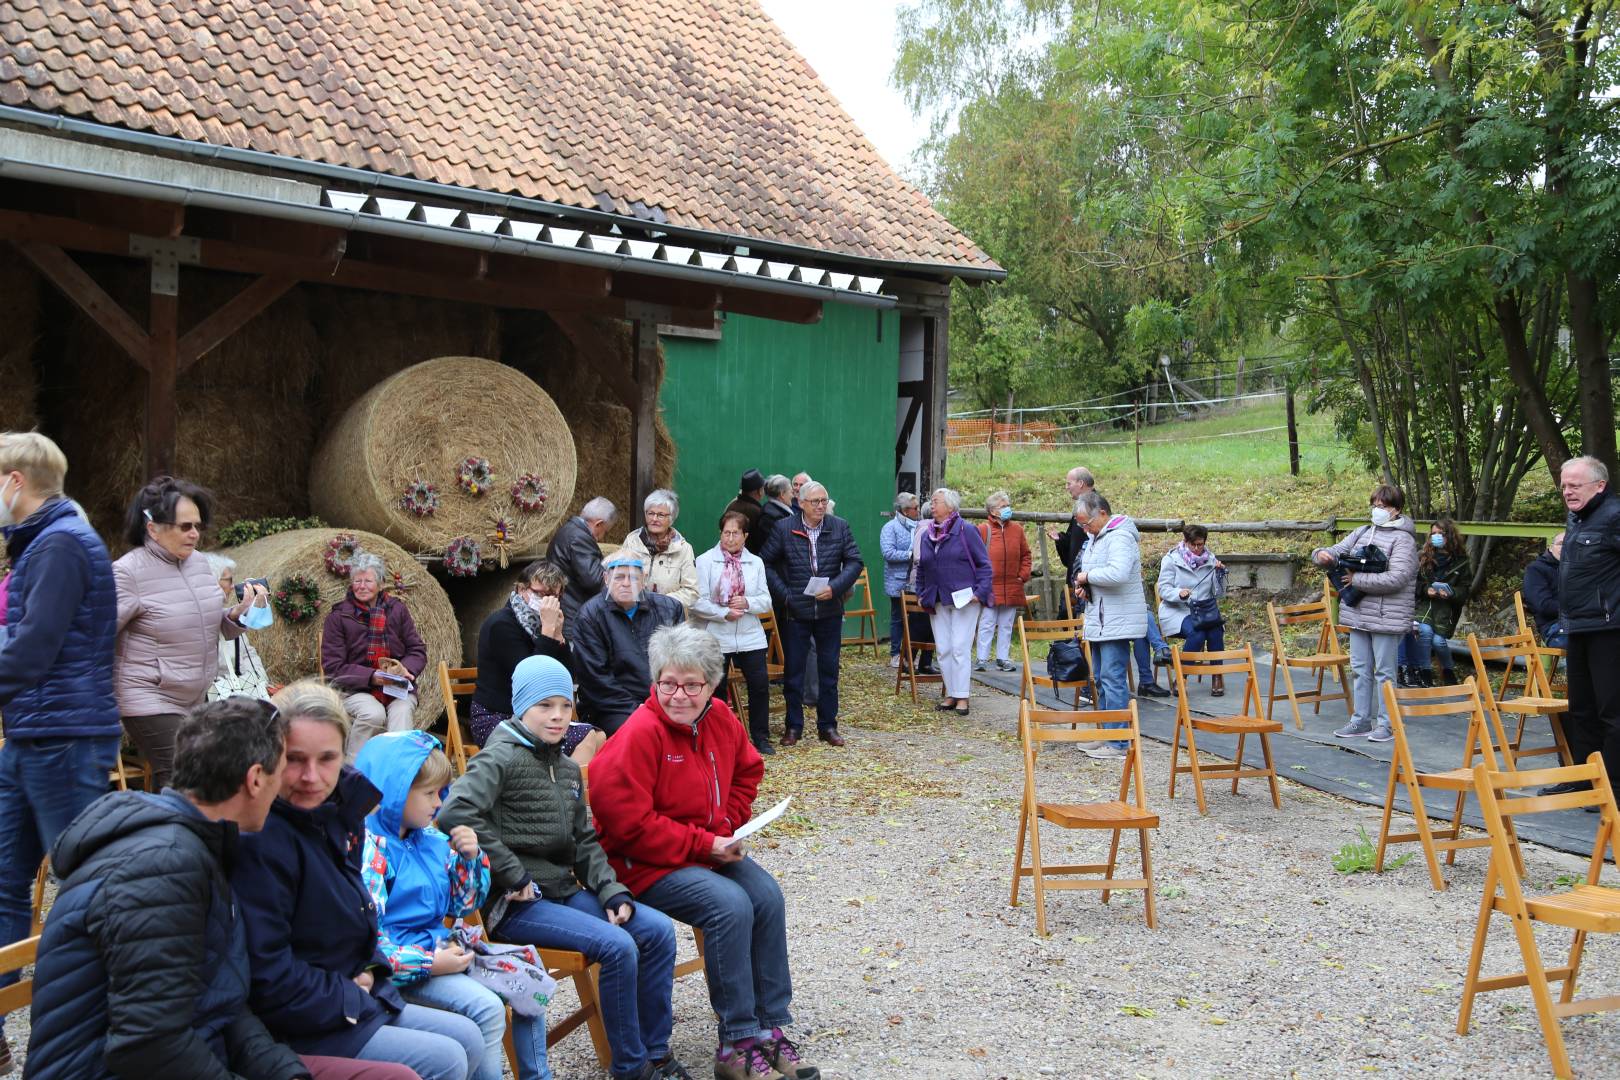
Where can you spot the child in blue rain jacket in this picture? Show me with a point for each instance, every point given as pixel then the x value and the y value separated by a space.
pixel 418 876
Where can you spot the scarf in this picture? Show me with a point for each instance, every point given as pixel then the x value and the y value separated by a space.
pixel 661 546
pixel 527 617
pixel 731 579
pixel 376 638
pixel 1194 562
pixel 939 530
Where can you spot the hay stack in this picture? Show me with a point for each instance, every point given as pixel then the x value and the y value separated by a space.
pixel 420 425
pixel 292 650
pixel 474 599
pixel 20 315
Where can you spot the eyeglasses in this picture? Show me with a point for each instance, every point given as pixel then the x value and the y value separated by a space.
pixel 1577 487
pixel 658 515
pixel 814 502
pixel 184 526
pixel 690 689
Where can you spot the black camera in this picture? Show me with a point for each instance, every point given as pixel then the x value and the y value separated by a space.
pixel 241 587
pixel 1367 559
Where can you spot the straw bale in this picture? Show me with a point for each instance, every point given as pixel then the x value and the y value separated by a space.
pixel 368 336
pixel 474 599
pixel 20 316
pixel 420 424
pixel 292 650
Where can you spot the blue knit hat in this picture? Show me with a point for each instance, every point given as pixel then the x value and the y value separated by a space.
pixel 537 678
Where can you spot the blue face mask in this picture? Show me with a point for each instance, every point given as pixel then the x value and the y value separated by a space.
pixel 257 618
pixel 1437 540
pixel 1005 513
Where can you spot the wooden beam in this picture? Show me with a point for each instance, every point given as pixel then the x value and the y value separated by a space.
pixel 643 437
pixel 230 317
pixel 162 410
pixel 670 291
pixel 67 275
pixel 778 306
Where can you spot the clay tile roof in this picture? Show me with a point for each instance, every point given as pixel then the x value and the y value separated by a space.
pixel 698 109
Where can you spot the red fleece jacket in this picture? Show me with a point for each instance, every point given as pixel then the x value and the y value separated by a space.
pixel 662 791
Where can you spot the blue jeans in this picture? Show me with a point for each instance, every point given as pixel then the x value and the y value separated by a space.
pixel 827 635
pixel 439 1045
pixel 739 908
pixel 1213 639
pixel 896 631
pixel 638 967
pixel 1145 647
pixel 1113 661
pixel 466 995
pixel 44 784
pixel 1419 648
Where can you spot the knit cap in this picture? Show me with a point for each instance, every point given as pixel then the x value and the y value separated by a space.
pixel 537 678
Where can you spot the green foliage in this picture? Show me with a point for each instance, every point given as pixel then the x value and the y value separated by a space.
pixel 247 530
pixel 1357 857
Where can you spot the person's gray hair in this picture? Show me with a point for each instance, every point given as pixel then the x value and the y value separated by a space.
pixel 363 561
pixel 997 498
pixel 688 648
pixel 904 501
pixel 810 487
pixel 953 499
pixel 1082 475
pixel 665 498
pixel 600 508
pixel 777 485
pixel 218 564
pixel 1090 504
pixel 1599 471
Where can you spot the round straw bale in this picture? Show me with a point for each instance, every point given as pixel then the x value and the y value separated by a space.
pixel 20 315
pixel 292 650
pixel 475 598
pixel 421 424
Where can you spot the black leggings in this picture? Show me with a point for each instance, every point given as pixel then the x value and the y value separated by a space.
pixel 752 666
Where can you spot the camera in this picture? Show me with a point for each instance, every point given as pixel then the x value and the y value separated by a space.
pixel 1368 559
pixel 241 586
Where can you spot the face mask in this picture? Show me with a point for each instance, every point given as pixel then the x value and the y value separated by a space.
pixel 8 516
pixel 1005 513
pixel 1380 516
pixel 1437 540
pixel 257 618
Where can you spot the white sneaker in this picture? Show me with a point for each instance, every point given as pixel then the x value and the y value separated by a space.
pixel 894 661
pixel 1105 752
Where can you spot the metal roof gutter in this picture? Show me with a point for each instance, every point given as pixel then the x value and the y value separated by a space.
pixel 356 221
pixel 369 180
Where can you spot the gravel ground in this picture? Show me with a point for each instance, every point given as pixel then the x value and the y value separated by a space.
pixel 909 961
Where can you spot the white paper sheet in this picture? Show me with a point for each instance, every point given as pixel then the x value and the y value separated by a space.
pixel 962 597
pixel 759 821
pixel 814 586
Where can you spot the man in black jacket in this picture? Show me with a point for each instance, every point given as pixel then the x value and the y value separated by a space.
pixel 576 550
pixel 1541 594
pixel 1589 601
pixel 143 966
pixel 610 642
pixel 1069 542
pixel 811 545
pixel 746 503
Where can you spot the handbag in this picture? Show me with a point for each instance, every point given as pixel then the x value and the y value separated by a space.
pixel 1205 615
pixel 1066 662
pixel 514 972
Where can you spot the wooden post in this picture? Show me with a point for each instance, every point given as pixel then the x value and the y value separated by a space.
pixel 162 367
pixel 1048 598
pixel 1237 386
pixel 1137 417
pixel 1293 435
pixel 992 434
pixel 643 440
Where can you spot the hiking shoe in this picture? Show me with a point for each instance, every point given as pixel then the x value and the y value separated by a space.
pixel 1105 752
pixel 1352 731
pixel 978 665
pixel 1381 733
pixel 746 1061
pixel 1003 665
pixel 785 1056
pixel 1162 656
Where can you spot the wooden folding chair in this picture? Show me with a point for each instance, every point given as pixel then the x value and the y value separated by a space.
pixel 1245 722
pixel 1128 812
pixel 40 879
pixel 1588 908
pixel 1328 659
pixel 1055 630
pixel 865 616
pixel 1484 739
pixel 454 683
pixel 1549 658
pixel 1538 699
pixel 909 660
pixel 16 957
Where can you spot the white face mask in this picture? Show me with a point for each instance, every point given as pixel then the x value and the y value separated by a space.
pixel 8 507
pixel 1381 516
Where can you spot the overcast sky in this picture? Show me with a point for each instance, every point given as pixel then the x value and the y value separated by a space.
pixel 851 44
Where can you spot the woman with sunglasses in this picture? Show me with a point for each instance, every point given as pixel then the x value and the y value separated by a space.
pixel 169 617
pixel 669 791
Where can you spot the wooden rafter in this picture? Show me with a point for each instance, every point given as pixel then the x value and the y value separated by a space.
pixel 78 286
pixel 234 314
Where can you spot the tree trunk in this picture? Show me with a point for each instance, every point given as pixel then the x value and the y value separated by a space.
pixel 1592 365
pixel 1538 413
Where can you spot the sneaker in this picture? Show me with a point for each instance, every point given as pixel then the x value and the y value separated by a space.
pixel 1003 665
pixel 1381 733
pixel 978 665
pixel 670 1069
pixel 785 1056
pixel 1105 752
pixel 1152 689
pixel 894 661
pixel 746 1061
pixel 1351 731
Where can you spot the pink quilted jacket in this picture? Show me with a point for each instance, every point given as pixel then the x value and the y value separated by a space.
pixel 170 620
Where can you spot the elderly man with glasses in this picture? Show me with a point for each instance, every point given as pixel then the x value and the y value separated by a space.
pixel 610 641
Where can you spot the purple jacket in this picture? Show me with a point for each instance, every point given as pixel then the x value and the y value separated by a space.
pixel 959 561
pixel 343 643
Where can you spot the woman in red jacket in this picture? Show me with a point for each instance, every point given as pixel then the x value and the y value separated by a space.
pixel 1009 571
pixel 668 790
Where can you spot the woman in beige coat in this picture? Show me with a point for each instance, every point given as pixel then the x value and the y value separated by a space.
pixel 169 617
pixel 671 562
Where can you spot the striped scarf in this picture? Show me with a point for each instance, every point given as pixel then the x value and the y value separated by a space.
pixel 376 639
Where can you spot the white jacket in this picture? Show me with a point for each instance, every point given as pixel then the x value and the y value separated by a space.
pixel 1116 610
pixel 736 635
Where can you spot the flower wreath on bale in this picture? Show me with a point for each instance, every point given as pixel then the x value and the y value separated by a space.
pixel 421 498
pixel 340 553
pixel 529 493
pixel 463 557
pixel 475 476
pixel 297 598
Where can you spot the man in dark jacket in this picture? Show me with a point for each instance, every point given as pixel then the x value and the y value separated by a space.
pixel 1541 594
pixel 1069 542
pixel 610 642
pixel 56 693
pixel 143 966
pixel 746 503
pixel 576 550
pixel 812 545
pixel 1589 601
